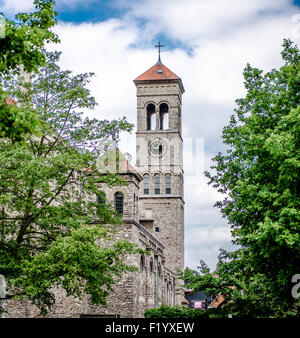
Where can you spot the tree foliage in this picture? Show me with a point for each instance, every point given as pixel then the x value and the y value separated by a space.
pixel 21 46
pixel 259 176
pixel 179 312
pixel 53 232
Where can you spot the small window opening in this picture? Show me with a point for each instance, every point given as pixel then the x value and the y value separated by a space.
pixel 168 183
pixel 157 184
pixel 146 184
pixel 119 202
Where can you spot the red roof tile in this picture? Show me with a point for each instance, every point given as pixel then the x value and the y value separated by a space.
pixel 9 100
pixel 216 302
pixel 157 72
pixel 126 166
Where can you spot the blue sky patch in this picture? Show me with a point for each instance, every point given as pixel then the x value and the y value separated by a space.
pixel 93 11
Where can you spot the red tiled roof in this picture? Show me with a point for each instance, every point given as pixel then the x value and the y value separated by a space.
pixel 184 301
pixel 88 170
pixel 157 72
pixel 216 302
pixel 126 166
pixel 9 100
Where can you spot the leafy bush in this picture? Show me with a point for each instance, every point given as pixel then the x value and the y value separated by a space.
pixel 177 311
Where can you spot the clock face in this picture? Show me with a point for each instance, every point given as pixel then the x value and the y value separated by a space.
pixel 157 147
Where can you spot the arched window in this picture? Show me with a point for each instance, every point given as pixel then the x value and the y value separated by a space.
pixel 151 117
pixel 146 184
pixel 163 116
pixel 119 202
pixel 157 184
pixel 168 183
pixel 101 198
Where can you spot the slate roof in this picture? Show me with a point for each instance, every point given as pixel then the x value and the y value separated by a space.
pixel 197 296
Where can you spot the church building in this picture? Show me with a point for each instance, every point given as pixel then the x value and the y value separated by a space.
pixel 152 207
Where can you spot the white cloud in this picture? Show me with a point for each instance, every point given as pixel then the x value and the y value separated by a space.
pixel 190 20
pixel 102 48
pixel 15 6
pixel 204 242
pixel 208 235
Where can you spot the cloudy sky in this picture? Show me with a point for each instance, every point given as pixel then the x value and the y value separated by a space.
pixel 207 43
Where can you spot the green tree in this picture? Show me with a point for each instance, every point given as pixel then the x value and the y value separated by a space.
pixel 179 312
pixel 21 45
pixel 53 232
pixel 259 175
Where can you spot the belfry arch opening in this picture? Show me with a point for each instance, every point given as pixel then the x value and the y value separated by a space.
pixel 151 117
pixel 163 116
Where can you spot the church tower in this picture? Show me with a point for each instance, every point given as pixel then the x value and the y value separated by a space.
pixel 159 159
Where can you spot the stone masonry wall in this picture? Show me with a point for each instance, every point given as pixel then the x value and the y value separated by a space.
pixel 132 295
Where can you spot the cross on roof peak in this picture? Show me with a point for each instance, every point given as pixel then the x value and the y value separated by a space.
pixel 159 46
